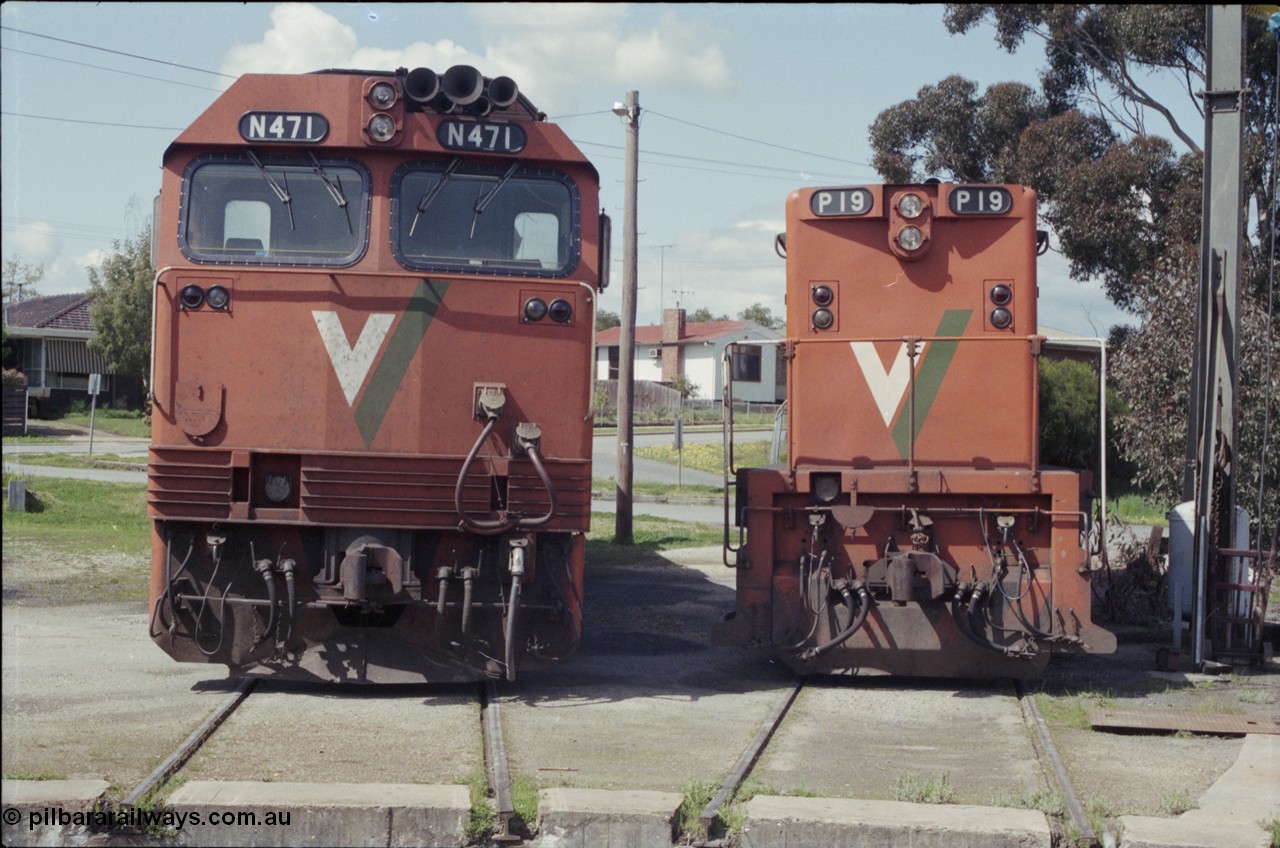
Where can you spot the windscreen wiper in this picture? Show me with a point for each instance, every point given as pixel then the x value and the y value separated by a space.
pixel 430 194
pixel 483 202
pixel 281 192
pixel 334 187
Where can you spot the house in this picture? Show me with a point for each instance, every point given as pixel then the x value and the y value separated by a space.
pixel 47 339
pixel 664 353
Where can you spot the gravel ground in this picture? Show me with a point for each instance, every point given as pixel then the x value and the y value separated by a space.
pixel 648 704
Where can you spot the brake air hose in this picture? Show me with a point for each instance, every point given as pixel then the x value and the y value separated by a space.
pixel 857 620
pixel 482 526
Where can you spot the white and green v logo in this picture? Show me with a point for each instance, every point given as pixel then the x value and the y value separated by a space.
pixel 889 388
pixel 352 364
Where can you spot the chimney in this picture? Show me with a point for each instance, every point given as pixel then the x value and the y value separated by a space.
pixel 672 352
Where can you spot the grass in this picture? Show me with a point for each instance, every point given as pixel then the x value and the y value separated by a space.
pixel 709 457
pixel 659 490
pixel 80 460
pixel 650 536
pixel 1139 509
pixel 115 422
pixel 81 516
pixel 80 540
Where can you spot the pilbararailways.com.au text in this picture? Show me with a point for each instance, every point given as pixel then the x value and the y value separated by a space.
pixel 137 817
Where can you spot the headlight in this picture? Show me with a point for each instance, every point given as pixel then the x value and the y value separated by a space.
pixel 823 295
pixel 910 206
pixel 217 297
pixel 910 238
pixel 382 95
pixel 1001 318
pixel 1001 294
pixel 823 319
pixel 382 127
pixel 535 309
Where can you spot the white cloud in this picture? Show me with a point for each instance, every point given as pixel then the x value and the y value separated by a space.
pixel 37 242
pixel 553 51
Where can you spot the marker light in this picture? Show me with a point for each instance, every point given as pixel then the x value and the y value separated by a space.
pixel 561 311
pixel 1001 294
pixel 823 319
pixel 823 295
pixel 191 297
pixel 535 309
pixel 382 127
pixel 910 238
pixel 217 297
pixel 1001 318
pixel 910 206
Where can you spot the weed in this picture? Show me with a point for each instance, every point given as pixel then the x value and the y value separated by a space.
pixel 33 775
pixel 1174 804
pixel 481 821
pixel 1047 802
pixel 919 790
pixel 1256 696
pixel 696 797
pixel 524 798
pixel 1272 827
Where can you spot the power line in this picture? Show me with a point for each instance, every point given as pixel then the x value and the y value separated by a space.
pixel 92 123
pixel 118 52
pixel 789 171
pixel 758 141
pixel 109 70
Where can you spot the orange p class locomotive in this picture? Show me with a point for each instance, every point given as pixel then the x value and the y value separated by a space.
pixel 371 443
pixel 911 529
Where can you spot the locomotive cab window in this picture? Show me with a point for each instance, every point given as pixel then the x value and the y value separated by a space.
pixel 251 210
pixel 507 220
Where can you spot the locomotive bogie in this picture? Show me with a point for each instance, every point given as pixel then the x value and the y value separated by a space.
pixel 365 605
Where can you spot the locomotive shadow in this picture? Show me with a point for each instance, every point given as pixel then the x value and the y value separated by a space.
pixel 648 635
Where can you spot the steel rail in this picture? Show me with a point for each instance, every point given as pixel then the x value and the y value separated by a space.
pixel 192 743
pixel 1048 752
pixel 749 757
pixel 495 760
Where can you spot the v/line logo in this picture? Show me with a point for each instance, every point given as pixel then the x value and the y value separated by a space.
pixel 889 387
pixel 352 363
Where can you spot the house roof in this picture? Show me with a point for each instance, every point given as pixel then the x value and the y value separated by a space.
pixel 54 312
pixel 700 333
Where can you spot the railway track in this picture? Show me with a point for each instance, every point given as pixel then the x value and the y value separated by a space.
pixel 1050 763
pixel 495 758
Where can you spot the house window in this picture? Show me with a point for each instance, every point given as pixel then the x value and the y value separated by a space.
pixel 613 362
pixel 746 364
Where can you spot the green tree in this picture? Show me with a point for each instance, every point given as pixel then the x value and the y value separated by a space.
pixel 120 304
pixel 606 319
pixel 763 316
pixel 702 315
pixel 20 279
pixel 1124 204
pixel 1115 195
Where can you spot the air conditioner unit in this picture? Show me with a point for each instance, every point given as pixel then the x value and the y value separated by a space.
pixel 655 353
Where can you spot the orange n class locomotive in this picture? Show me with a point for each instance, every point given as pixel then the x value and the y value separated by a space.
pixel 912 529
pixel 371 443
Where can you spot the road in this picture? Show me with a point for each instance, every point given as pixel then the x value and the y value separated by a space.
pixel 604 458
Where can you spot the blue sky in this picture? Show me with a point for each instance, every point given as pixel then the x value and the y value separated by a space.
pixel 741 104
